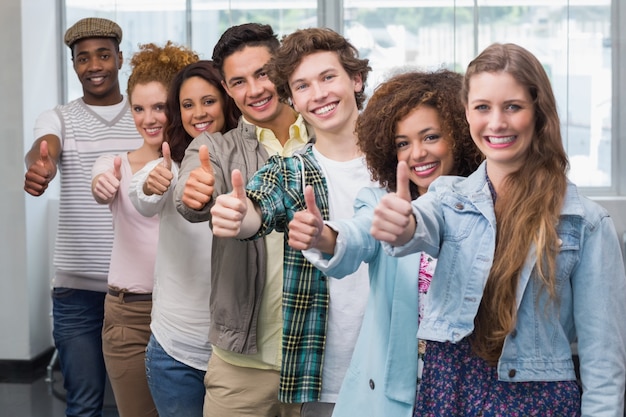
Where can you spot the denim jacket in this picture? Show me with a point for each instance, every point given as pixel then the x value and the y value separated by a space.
pixel 456 223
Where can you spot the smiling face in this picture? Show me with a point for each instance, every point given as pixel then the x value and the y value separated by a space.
pixel 323 92
pixel 421 143
pixel 148 110
pixel 501 116
pixel 246 81
pixel 97 64
pixel 201 107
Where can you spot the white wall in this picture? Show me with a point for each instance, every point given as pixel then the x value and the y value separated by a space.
pixel 29 84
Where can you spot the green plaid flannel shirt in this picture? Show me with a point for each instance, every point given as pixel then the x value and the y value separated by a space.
pixel 277 188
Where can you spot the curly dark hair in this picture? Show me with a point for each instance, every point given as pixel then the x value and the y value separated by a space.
pixel 175 133
pixel 304 42
pixel 237 37
pixel 395 99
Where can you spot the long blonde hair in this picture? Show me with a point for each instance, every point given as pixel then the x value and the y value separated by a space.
pixel 527 211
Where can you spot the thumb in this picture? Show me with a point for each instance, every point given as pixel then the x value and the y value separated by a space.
pixel 167 156
pixel 117 164
pixel 309 199
pixel 238 186
pixel 43 151
pixel 205 162
pixel 402 181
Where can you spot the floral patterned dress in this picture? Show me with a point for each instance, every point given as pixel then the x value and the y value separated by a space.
pixel 427 268
pixel 458 383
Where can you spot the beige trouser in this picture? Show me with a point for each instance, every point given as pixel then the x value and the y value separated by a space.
pixel 235 391
pixel 125 335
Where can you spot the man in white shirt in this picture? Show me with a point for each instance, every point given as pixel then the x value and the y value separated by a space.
pixel 69 139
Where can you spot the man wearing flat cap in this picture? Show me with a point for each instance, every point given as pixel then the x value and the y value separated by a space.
pixel 69 139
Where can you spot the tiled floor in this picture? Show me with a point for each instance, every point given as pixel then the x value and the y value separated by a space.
pixel 29 400
pixel 41 398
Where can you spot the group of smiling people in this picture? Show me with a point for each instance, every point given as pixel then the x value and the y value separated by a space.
pixel 308 253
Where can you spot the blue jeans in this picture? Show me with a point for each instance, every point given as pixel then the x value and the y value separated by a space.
pixel 177 389
pixel 77 317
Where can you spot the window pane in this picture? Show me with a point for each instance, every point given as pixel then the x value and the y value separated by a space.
pixel 571 39
pixel 210 18
pixel 402 35
pixel 573 43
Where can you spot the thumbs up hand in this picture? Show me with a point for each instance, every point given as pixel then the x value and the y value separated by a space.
pixel 167 156
pixel 393 220
pixel 160 177
pixel 403 190
pixel 230 210
pixel 40 172
pixel 306 227
pixel 105 185
pixel 199 186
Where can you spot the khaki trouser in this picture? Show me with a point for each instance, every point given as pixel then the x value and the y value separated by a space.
pixel 235 391
pixel 125 335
